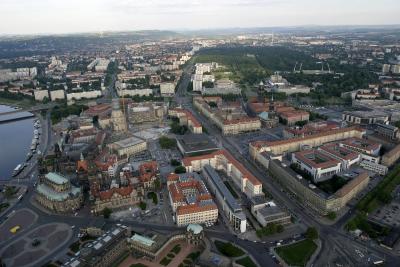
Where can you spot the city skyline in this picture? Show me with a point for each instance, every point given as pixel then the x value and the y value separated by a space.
pixel 59 17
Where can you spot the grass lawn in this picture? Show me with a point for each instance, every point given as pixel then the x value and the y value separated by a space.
pixel 297 254
pixel 176 249
pixel 247 262
pixel 228 249
pixel 165 261
pixel 75 246
pixel 3 206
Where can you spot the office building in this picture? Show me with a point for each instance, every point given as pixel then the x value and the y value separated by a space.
pixel 230 207
pixel 190 199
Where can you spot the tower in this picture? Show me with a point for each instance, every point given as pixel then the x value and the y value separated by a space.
pixel 118 117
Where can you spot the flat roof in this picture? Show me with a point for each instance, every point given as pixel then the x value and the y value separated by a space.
pixel 143 240
pixel 223 190
pixel 192 143
pixel 131 141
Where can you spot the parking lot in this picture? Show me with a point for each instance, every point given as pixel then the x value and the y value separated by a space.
pixel 242 141
pixel 163 156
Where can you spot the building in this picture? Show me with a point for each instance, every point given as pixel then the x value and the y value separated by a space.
pixel 153 245
pixel 190 199
pixel 17 74
pixel 309 129
pixel 269 212
pixel 311 195
pixel 276 83
pixel 145 112
pixel 389 158
pixel 290 116
pixel 388 131
pixel 148 175
pixel 115 198
pixel 223 160
pixel 104 251
pixel 230 118
pixel 374 167
pixel 187 118
pixel 368 150
pixel 99 65
pixel 195 144
pixel 365 117
pixel 118 119
pixel 98 110
pixel 129 146
pixel 318 165
pixel 83 136
pixel 56 193
pixel 346 156
pixel 167 89
pixel 107 163
pixel 281 147
pixel 231 208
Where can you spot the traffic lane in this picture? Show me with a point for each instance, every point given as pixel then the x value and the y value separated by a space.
pixel 257 250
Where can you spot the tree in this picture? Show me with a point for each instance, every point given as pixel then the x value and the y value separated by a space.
pixel 312 233
pixel 142 205
pixel 300 123
pixel 175 162
pixel 106 213
pixel 95 119
pixel 331 215
pixel 166 143
pixel 9 191
pixel 385 197
pixel 157 183
pixel 180 169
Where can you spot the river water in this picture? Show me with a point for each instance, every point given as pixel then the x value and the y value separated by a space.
pixel 15 141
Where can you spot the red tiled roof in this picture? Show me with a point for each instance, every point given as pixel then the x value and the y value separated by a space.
pixel 147 170
pixel 194 208
pixel 260 144
pixel 326 163
pixel 123 191
pixel 187 161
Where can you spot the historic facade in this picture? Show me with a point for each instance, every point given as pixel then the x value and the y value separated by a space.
pixel 56 193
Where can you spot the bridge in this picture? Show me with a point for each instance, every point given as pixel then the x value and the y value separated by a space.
pixel 21 114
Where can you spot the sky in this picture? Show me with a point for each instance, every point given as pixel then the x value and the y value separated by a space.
pixel 71 16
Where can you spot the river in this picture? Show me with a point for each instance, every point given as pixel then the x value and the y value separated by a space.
pixel 15 141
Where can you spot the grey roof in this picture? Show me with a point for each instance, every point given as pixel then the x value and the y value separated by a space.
pixel 222 189
pixel 56 178
pixel 56 195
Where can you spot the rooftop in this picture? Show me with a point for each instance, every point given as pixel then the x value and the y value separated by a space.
pixel 56 178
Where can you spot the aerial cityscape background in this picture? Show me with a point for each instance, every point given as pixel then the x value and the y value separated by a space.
pixel 239 133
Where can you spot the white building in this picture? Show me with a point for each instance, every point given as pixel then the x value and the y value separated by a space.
pixel 167 89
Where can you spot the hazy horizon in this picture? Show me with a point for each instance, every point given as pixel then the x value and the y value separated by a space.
pixel 25 17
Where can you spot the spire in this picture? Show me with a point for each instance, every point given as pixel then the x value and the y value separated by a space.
pixel 82 158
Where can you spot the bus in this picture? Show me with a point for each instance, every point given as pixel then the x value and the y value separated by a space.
pixel 15 229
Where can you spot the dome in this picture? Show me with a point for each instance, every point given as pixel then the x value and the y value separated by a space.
pixel 195 228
